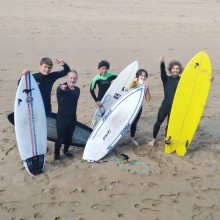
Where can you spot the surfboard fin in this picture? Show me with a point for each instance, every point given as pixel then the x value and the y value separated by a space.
pixel 168 141
pixel 35 164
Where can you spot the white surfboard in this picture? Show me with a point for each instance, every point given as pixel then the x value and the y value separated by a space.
pixel 114 124
pixel 30 125
pixel 118 88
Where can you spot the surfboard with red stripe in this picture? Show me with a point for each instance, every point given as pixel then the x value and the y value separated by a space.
pixel 30 125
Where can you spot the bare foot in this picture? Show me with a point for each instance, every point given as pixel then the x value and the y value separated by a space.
pixel 152 142
pixel 134 142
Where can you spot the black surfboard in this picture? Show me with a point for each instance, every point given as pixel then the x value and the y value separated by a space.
pixel 80 135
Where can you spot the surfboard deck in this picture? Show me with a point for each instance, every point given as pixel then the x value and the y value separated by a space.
pixel 30 125
pixel 188 104
pixel 114 124
pixel 80 135
pixel 118 88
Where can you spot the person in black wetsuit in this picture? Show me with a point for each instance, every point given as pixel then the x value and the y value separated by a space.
pixel 67 98
pixel 45 79
pixel 103 80
pixel 169 84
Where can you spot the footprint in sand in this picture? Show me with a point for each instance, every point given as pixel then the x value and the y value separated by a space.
pixel 149 212
pixel 39 181
pixel 8 130
pixel 99 181
pixel 170 197
pixel 38 216
pixel 51 190
pixel 196 183
pixel 69 206
pixel 43 206
pixel 120 195
pixel 8 151
pixel 205 212
pixel 78 190
pixel 152 202
pixel 8 206
pixel 100 207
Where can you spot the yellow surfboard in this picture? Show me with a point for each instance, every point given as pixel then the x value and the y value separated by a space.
pixel 188 104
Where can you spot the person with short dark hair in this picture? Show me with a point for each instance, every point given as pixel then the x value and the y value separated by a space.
pixel 103 80
pixel 45 79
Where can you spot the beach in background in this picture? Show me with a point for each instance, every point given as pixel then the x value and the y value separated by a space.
pixel 83 33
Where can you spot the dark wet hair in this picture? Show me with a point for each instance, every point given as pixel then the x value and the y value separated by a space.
pixel 104 63
pixel 139 72
pixel 47 61
pixel 174 63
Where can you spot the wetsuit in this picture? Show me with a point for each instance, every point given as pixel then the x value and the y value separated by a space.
pixel 45 83
pixel 169 84
pixel 103 83
pixel 66 116
pixel 134 123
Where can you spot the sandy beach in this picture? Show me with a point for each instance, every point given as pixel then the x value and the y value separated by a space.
pixel 82 33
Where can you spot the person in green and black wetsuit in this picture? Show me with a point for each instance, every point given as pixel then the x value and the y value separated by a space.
pixel 103 80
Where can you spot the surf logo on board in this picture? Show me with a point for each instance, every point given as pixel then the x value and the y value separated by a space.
pixel 116 96
pixel 196 65
pixel 19 101
pixel 124 89
pixel 106 135
pixel 29 99
pixel 106 115
pixel 27 91
pixel 125 129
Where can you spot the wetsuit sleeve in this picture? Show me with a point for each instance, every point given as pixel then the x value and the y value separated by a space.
pixel 163 72
pixel 59 91
pixel 62 73
pixel 92 91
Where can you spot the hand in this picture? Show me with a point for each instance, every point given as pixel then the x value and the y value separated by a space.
pixel 63 87
pixel 98 104
pixel 161 59
pixel 25 71
pixel 135 79
pixel 146 83
pixel 60 62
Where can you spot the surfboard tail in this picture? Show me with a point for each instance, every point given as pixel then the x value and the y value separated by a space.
pixel 35 164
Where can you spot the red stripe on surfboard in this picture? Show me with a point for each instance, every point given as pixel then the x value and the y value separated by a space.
pixel 29 115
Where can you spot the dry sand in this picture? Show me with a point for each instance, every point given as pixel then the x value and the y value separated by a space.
pixel 83 32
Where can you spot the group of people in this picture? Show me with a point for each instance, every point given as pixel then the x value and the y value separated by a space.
pixel 68 94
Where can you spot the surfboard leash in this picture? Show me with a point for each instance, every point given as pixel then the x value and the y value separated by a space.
pixel 124 164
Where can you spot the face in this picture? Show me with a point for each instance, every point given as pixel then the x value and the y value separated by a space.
pixel 103 70
pixel 72 79
pixel 175 71
pixel 142 77
pixel 45 69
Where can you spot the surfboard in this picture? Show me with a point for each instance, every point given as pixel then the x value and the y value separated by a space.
pixel 188 104
pixel 114 124
pixel 80 135
pixel 30 125
pixel 118 88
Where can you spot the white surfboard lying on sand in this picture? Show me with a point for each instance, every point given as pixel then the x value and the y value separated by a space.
pixel 30 125
pixel 118 88
pixel 114 124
